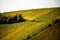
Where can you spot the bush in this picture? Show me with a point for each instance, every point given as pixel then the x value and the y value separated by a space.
pixel 57 20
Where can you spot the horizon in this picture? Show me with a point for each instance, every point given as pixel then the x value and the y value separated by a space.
pixel 14 5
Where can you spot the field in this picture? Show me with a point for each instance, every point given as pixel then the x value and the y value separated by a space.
pixel 51 33
pixel 40 24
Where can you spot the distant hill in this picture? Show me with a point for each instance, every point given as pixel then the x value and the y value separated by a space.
pixel 29 14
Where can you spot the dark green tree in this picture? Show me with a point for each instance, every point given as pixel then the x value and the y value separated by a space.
pixel 3 19
pixel 21 19
pixel 16 18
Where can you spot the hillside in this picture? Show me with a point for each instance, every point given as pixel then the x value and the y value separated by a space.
pixel 50 33
pixel 29 14
pixel 40 24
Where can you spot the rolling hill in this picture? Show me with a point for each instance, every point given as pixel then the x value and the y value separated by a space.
pixel 29 14
pixel 42 25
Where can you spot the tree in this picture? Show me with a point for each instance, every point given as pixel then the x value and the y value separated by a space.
pixel 16 18
pixel 3 20
pixel 13 19
pixel 21 19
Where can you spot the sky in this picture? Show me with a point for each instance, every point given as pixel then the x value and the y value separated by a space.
pixel 14 5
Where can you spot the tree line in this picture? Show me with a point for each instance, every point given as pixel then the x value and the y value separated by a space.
pixel 15 19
